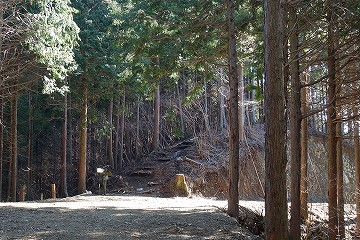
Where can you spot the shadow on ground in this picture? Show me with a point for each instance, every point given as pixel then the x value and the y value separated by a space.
pixel 110 222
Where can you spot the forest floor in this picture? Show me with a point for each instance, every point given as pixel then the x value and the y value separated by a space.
pixel 109 217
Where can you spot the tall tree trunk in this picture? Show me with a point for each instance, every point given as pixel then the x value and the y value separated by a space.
pixel 1 142
pixel 137 145
pixel 357 168
pixel 233 201
pixel 1 104
pixel 276 217
pixel 122 132
pixel 332 169
pixel 82 143
pixel 206 109
pixel 295 127
pixel 156 133
pixel 340 182
pixel 110 140
pixel 71 134
pixel 8 197
pixel 304 157
pixel 29 148
pixel 117 134
pixel 222 99
pixel 63 154
pixel 14 163
pixel 241 102
pixel 181 113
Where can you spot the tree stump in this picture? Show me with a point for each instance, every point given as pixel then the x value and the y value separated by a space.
pixel 180 186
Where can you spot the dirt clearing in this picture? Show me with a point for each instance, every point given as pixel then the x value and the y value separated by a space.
pixel 120 217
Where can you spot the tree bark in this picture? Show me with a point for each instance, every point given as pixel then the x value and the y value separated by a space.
pixel 110 140
pixel 357 169
pixel 222 99
pixel 181 113
pixel 332 168
pixel 206 109
pixel 14 163
pixel 137 145
pixel 63 154
pixel 340 182
pixel 82 143
pixel 122 131
pixel 276 219
pixel 29 149
pixel 241 102
pixel 156 133
pixel 1 144
pixel 71 134
pixel 1 103
pixel 295 127
pixel 8 197
pixel 233 199
pixel 304 158
pixel 117 136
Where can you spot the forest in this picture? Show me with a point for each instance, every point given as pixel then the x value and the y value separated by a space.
pixel 87 84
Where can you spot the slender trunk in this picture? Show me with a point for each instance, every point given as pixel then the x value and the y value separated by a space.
pixel 8 197
pixel 55 153
pixel 206 109
pixel 29 148
pixel 233 201
pixel 276 217
pixel 42 177
pixel 252 118
pixel 304 158
pixel 63 154
pixel 14 163
pixel 332 168
pixel 117 135
pixel 122 132
pixel 110 140
pixel 1 28
pixel 137 145
pixel 340 182
pixel 1 105
pixel 82 143
pixel 156 133
pixel 71 134
pixel 295 128
pixel 223 123
pixel 181 114
pixel 357 169
pixel 241 102
pixel 1 142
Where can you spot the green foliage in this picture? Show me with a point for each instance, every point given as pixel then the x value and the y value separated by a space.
pixel 95 52
pixel 158 39
pixel 52 36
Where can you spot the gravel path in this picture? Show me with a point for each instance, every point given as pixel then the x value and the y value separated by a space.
pixel 120 217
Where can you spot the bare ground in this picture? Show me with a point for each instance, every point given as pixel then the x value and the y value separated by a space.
pixel 110 217
pixel 120 217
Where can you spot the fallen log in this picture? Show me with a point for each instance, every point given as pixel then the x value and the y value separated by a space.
pixel 189 160
pixel 143 173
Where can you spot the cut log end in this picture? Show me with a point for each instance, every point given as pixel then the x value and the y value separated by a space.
pixel 181 187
